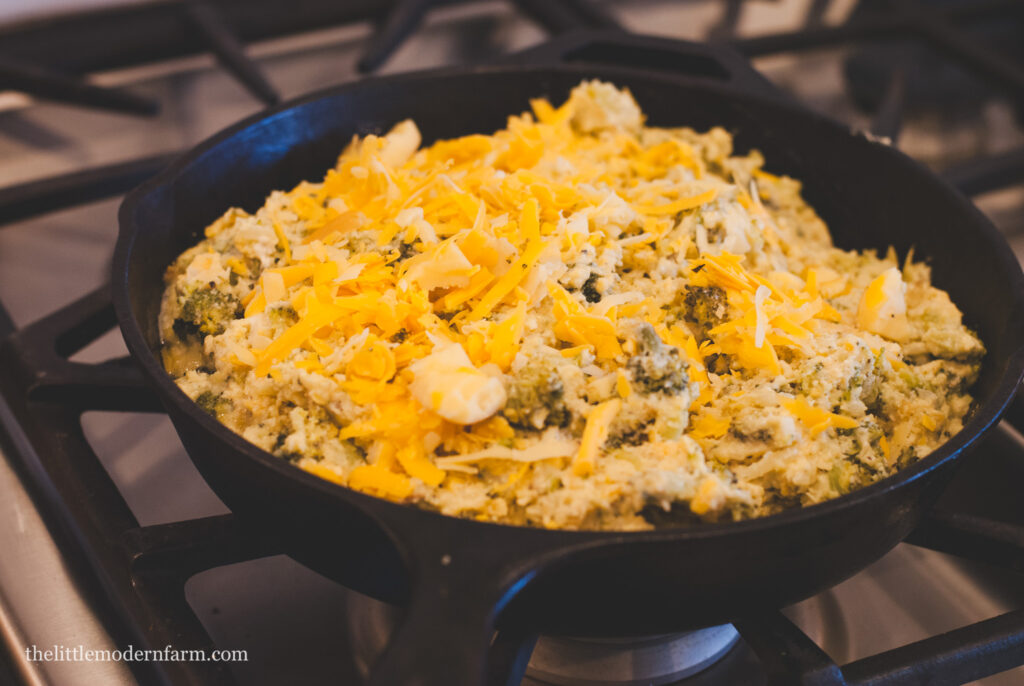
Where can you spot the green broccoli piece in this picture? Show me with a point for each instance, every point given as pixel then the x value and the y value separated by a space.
pixel 631 435
pixel 840 477
pixel 254 267
pixel 658 368
pixel 704 306
pixel 207 311
pixel 589 289
pixel 407 250
pixel 536 399
pixel 212 403
pixel 283 316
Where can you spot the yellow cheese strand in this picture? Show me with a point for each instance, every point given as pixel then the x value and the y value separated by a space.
pixel 283 242
pixel 257 304
pixel 325 472
pixel 709 426
pixel 509 280
pixel 594 435
pixel 505 337
pixel 375 478
pixel 679 205
pixel 318 316
pixel 413 459
pixel 816 419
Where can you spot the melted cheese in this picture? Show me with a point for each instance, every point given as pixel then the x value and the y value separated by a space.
pixel 447 383
pixel 545 449
pixel 816 419
pixel 376 479
pixel 883 308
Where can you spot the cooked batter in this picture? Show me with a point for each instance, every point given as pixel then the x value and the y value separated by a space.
pixel 576 322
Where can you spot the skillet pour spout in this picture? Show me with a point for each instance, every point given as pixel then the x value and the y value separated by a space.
pixel 461 578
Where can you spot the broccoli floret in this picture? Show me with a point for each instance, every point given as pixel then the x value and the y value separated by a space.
pixel 758 436
pixel 407 250
pixel 841 476
pixel 589 289
pixel 704 306
pixel 657 368
pixel 535 399
pixel 283 316
pixel 212 403
pixel 208 310
pixel 184 330
pixel 648 339
pixel 254 266
pixel 632 435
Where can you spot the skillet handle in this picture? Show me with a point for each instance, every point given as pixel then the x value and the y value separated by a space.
pixel 464 574
pixel 714 62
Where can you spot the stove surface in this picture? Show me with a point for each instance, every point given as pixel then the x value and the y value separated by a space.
pixel 294 623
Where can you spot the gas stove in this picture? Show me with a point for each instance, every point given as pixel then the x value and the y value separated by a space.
pixel 111 539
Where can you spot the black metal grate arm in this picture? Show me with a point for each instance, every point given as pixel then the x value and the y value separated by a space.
pixel 225 45
pixel 41 83
pixel 76 188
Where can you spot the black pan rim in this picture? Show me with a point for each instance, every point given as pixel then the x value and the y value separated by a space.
pixel 983 418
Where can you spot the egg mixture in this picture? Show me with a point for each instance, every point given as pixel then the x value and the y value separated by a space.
pixel 578 321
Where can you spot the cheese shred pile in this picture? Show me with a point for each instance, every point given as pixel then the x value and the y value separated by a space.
pixel 579 321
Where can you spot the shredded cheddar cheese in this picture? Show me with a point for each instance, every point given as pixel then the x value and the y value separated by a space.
pixel 567 323
pixel 594 435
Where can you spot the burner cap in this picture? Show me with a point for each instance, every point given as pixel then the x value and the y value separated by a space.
pixel 646 661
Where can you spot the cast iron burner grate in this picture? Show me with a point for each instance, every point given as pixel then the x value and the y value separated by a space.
pixel 137 574
pixel 126 36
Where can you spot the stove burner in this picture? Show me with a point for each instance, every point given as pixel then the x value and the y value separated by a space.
pixel 566 661
pixel 650 660
pixel 929 81
pixel 370 626
pixel 133 574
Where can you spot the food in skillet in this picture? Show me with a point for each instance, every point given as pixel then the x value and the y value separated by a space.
pixel 576 322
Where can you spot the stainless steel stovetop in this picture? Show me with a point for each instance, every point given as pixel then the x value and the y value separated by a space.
pixel 297 626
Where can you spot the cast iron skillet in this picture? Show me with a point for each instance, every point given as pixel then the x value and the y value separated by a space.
pixel 458 576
